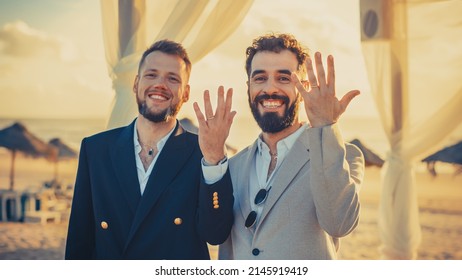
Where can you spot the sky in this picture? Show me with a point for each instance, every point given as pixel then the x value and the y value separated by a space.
pixel 52 57
pixel 52 60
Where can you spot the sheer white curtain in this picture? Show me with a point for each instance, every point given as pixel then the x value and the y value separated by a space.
pixel 130 26
pixel 416 80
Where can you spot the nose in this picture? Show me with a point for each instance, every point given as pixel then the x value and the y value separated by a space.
pixel 160 81
pixel 270 86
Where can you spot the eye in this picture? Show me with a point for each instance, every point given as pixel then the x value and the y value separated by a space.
pixel 284 79
pixel 174 79
pixel 259 79
pixel 150 75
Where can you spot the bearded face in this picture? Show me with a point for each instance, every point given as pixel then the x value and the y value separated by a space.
pixel 157 116
pixel 161 87
pixel 273 97
pixel 272 122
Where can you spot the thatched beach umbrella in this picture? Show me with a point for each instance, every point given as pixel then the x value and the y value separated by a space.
pixel 64 153
pixel 451 154
pixel 370 158
pixel 17 138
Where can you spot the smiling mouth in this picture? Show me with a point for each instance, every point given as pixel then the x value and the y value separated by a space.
pixel 158 96
pixel 271 103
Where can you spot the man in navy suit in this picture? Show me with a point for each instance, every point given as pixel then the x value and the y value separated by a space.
pixel 152 190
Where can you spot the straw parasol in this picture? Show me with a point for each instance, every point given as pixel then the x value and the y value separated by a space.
pixel 64 153
pixel 451 154
pixel 17 138
pixel 370 158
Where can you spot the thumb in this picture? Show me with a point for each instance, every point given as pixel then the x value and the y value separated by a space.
pixel 346 99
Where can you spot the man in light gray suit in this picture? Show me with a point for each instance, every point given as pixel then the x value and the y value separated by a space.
pixel 296 187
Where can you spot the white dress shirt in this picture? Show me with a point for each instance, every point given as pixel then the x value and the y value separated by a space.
pixel 259 178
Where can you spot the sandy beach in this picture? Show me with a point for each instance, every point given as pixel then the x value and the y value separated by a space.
pixel 439 202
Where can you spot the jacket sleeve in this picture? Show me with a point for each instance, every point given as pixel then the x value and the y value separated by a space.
pixel 336 175
pixel 215 220
pixel 80 242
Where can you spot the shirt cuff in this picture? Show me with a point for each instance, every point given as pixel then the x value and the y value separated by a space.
pixel 214 173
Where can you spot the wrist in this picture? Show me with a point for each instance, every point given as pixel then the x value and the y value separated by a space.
pixel 212 162
pixel 318 123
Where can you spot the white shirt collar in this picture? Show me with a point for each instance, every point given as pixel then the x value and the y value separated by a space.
pixel 159 145
pixel 283 145
pixel 143 175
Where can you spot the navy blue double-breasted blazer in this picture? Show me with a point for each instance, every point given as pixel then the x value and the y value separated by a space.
pixel 173 219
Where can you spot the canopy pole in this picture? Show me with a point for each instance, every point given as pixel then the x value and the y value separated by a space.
pixel 13 156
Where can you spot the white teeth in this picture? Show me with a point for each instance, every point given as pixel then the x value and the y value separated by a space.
pixel 272 104
pixel 158 97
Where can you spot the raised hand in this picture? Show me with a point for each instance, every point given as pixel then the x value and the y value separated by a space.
pixel 214 127
pixel 321 104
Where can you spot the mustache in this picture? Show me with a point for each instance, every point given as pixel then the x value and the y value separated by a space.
pixel 266 96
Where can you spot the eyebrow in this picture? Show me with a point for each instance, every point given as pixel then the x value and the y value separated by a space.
pixel 287 72
pixel 283 71
pixel 256 72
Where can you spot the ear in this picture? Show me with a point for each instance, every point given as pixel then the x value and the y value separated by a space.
pixel 186 93
pixel 248 89
pixel 135 84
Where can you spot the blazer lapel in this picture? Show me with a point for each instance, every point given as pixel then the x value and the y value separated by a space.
pixel 174 155
pixel 243 186
pixel 297 157
pixel 124 163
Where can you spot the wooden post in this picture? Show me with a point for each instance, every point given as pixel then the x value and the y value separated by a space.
pixel 13 156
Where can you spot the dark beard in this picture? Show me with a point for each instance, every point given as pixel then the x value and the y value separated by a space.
pixel 272 122
pixel 157 117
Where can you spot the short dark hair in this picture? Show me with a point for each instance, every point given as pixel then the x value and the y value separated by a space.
pixel 276 43
pixel 168 47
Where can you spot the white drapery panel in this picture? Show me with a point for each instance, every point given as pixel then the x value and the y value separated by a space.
pixel 130 26
pixel 416 80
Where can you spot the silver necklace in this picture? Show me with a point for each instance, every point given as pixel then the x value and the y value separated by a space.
pixel 150 149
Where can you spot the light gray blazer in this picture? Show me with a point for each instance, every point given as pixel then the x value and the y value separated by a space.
pixel 313 200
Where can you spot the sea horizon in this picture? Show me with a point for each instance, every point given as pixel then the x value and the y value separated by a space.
pixel 243 131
